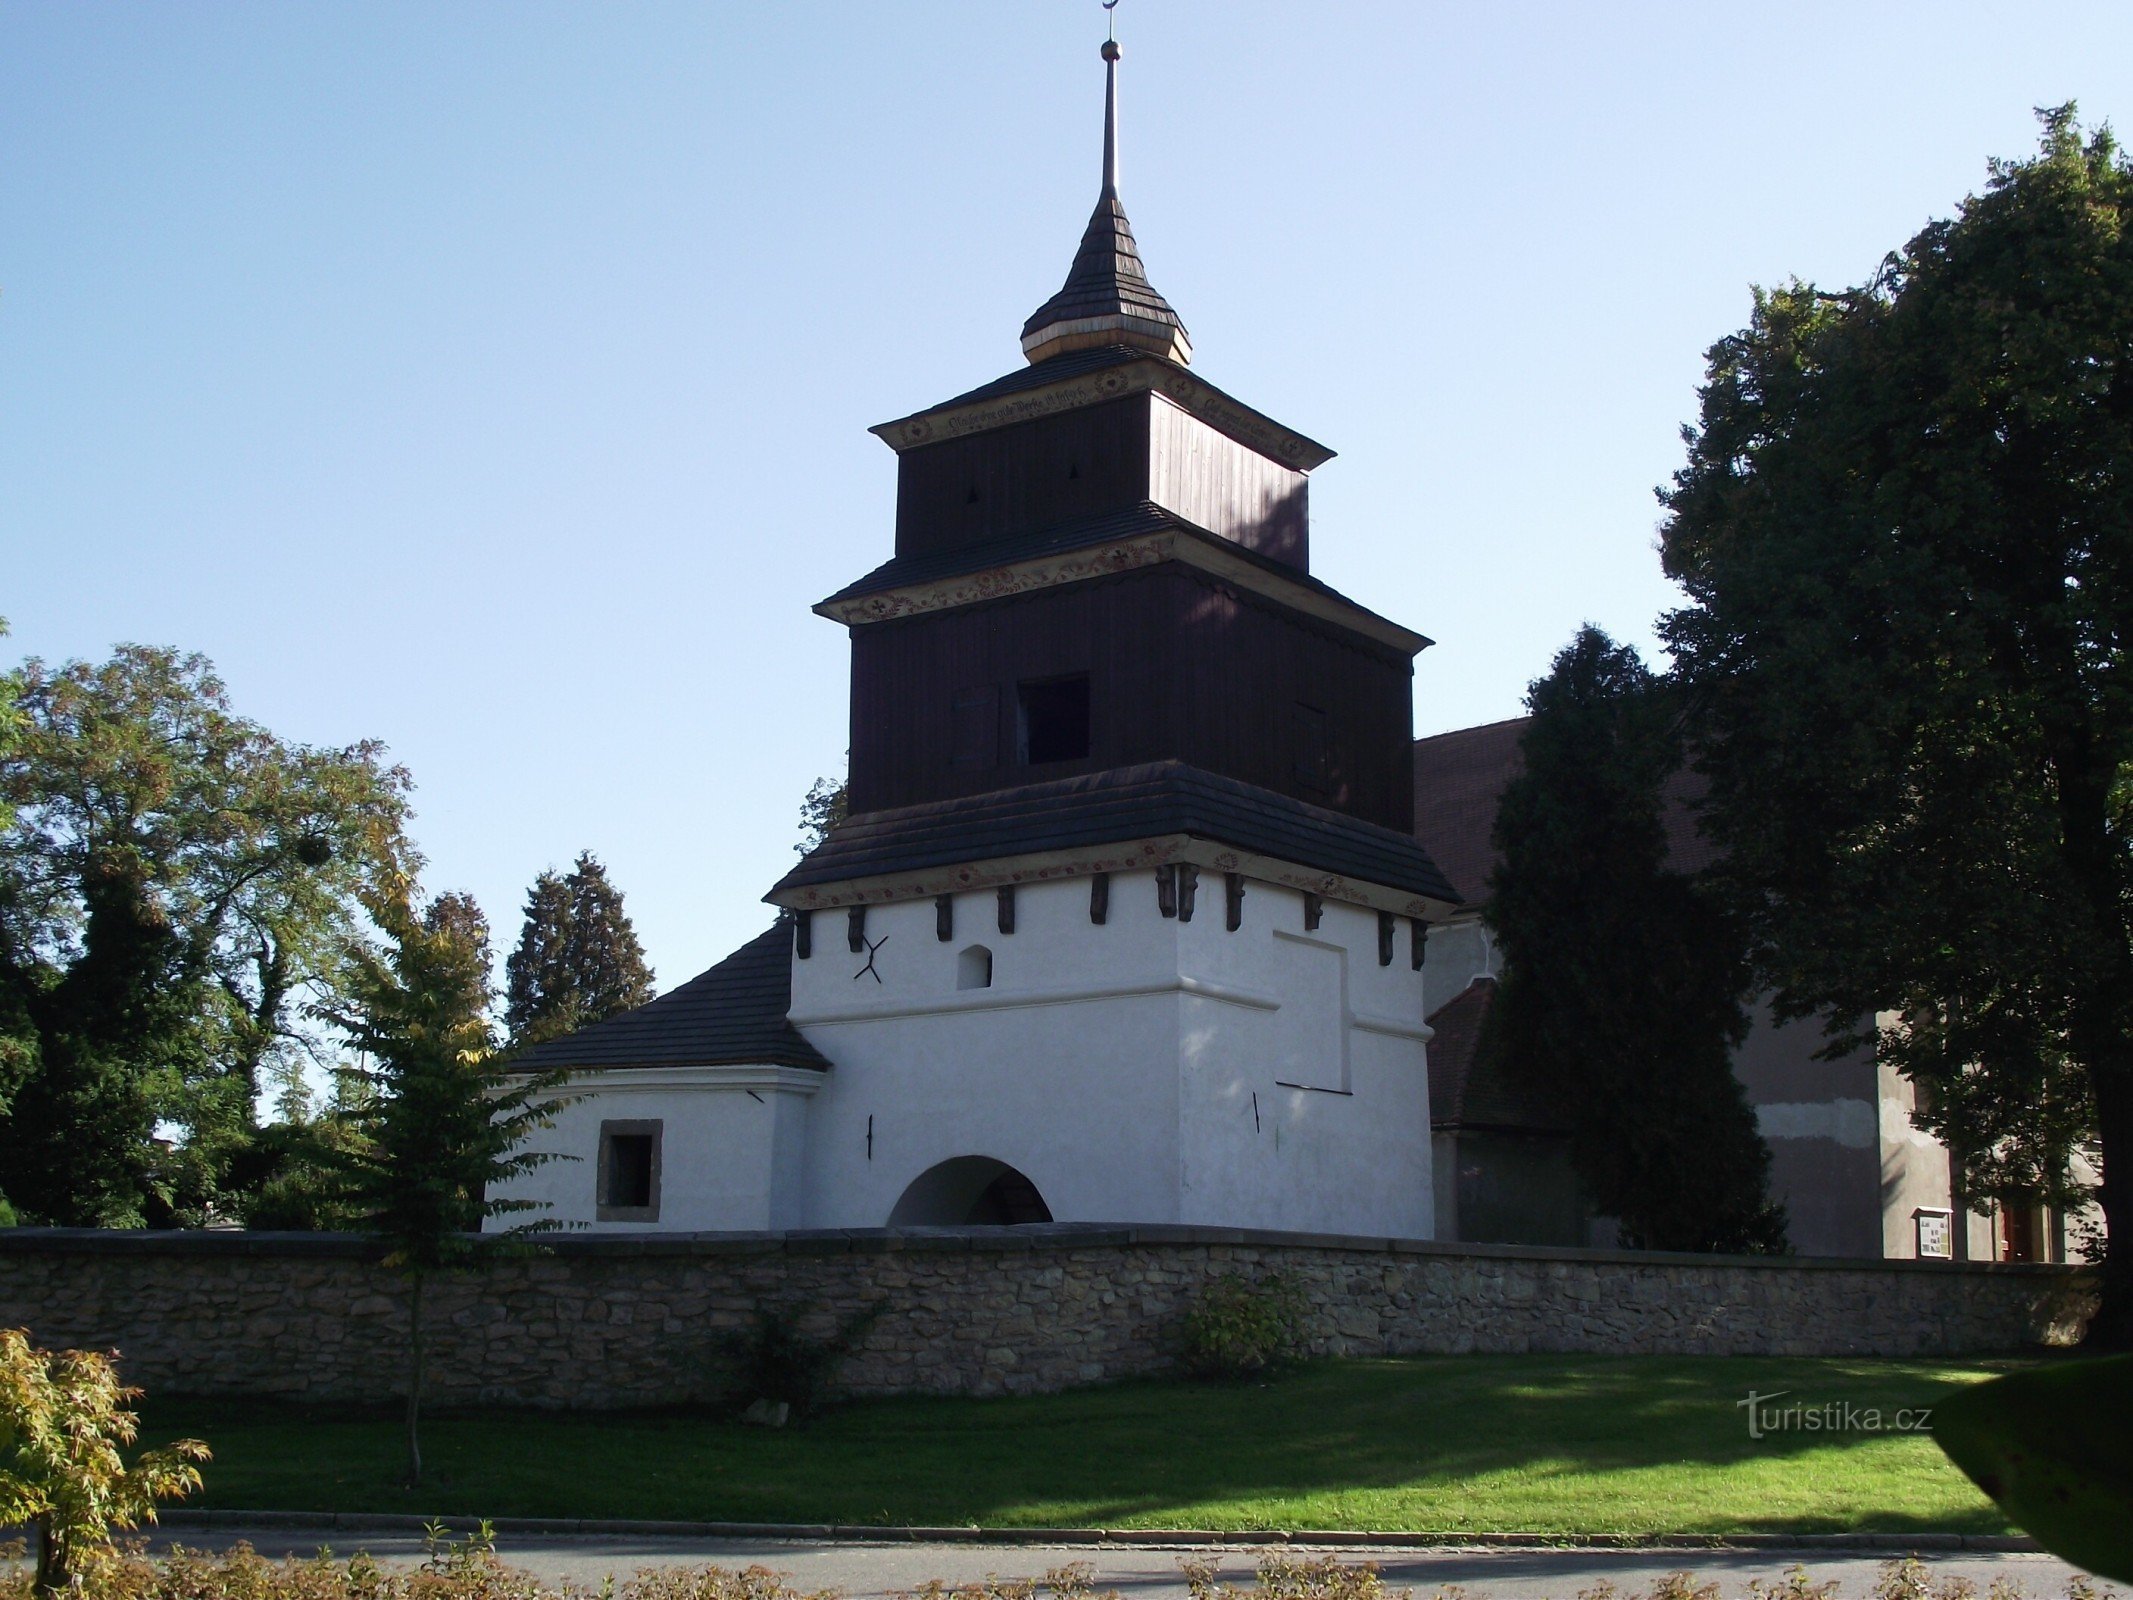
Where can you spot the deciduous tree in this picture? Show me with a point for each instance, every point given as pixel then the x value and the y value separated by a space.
pixel 175 883
pixel 116 1039
pixel 63 1430
pixel 827 802
pixel 1905 529
pixel 18 1035
pixel 1624 981
pixel 442 1119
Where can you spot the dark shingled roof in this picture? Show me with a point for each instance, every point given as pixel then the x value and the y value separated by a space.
pixel 1113 807
pixel 1107 278
pixel 1460 778
pixel 1055 369
pixel 732 1015
pixel 1209 400
pixel 1062 538
pixel 1465 1092
pixel 1058 538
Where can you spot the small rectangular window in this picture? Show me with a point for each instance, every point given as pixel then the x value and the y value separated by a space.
pixel 1053 720
pixel 628 1176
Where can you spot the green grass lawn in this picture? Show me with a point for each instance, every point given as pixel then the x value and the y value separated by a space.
pixel 1555 1444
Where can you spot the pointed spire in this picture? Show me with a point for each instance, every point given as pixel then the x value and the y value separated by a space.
pixel 1107 298
pixel 1110 117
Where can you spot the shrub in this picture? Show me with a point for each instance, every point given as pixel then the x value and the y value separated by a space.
pixel 1281 1576
pixel 63 1423
pixel 776 1360
pixel 1797 1585
pixel 1240 1329
pixel 468 1569
pixel 1074 1581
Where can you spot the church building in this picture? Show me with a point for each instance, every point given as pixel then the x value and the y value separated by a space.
pixel 1127 922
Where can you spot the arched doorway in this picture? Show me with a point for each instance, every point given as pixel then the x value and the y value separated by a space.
pixel 969 1190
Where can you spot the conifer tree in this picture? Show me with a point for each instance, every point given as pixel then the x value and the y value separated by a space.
pixel 537 987
pixel 1624 981
pixel 578 959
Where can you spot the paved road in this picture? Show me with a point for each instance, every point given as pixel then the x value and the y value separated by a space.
pixel 1150 1572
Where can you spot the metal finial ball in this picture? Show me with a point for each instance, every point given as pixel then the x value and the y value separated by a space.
pixel 1110 50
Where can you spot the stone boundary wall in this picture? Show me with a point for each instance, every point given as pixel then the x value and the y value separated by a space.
pixel 611 1320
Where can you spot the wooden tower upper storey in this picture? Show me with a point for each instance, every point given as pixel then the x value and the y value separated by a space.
pixel 1107 418
pixel 1102 561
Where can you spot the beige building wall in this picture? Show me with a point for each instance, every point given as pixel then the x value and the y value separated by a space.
pixel 1821 1122
pixel 1918 1217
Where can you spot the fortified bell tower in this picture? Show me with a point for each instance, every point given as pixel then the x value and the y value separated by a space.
pixel 1127 920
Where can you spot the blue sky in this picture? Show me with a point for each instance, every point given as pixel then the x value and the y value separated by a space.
pixel 493 380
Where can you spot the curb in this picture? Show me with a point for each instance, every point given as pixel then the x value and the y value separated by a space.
pixel 1332 1538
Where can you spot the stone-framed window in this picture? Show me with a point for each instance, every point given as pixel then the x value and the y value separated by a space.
pixel 628 1175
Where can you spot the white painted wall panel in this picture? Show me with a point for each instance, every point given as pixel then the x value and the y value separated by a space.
pixel 722 1147
pixel 1133 1071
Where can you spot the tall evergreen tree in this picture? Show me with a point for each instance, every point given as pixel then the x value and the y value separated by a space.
pixel 1624 981
pixel 540 998
pixel 578 959
pixel 606 955
pixel 1905 529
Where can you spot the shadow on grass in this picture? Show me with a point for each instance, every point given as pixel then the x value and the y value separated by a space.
pixel 1546 1443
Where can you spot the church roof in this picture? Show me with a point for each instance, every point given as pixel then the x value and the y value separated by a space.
pixel 1107 298
pixel 731 1015
pixel 1087 376
pixel 1082 533
pixel 1052 369
pixel 1106 292
pixel 1112 807
pixel 1459 778
pixel 1059 538
pixel 1466 1091
pixel 1459 781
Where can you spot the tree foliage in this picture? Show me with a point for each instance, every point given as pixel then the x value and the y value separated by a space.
pixel 297 1184
pixel 18 1035
pixel 175 885
pixel 442 1120
pixel 578 959
pixel 827 802
pixel 64 1427
pixel 116 1046
pixel 1905 529
pixel 1624 980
